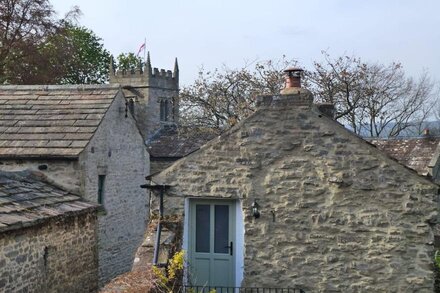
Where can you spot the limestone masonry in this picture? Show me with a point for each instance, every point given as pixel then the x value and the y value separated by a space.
pixel 85 140
pixel 337 215
pixel 47 237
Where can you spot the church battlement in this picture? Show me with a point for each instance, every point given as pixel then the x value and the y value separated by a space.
pixel 162 73
pixel 140 72
pixel 146 75
pixel 157 94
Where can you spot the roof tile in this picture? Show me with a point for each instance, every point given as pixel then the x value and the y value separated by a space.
pixel 415 153
pixel 55 121
pixel 29 199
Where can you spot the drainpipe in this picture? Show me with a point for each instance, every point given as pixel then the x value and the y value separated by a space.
pixel 159 229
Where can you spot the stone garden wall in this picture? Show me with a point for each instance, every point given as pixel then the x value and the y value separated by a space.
pixel 58 255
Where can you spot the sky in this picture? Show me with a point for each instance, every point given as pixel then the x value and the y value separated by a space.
pixel 233 33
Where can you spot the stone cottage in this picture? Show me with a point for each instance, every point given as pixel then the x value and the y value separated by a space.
pixel 85 139
pixel 290 198
pixel 48 237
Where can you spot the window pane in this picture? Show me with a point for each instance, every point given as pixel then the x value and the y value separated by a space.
pixel 101 180
pixel 221 229
pixel 202 227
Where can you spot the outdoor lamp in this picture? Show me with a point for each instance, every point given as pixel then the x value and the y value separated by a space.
pixel 255 209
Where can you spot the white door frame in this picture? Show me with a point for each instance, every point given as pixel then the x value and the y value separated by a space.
pixel 239 238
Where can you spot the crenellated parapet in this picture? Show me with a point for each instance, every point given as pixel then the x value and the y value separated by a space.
pixel 146 75
pixel 154 93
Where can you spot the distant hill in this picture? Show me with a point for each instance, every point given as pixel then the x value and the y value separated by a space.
pixel 433 126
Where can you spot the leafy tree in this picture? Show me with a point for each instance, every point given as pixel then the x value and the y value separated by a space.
pixel 38 48
pixel 89 61
pixel 128 61
pixel 24 26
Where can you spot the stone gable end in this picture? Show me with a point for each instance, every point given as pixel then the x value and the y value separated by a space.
pixel 118 152
pixel 337 215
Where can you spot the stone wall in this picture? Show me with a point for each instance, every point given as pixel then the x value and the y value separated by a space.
pixel 117 151
pixel 59 255
pixel 337 215
pixel 159 164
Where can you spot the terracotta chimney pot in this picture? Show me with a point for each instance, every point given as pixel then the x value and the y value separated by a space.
pixel 293 81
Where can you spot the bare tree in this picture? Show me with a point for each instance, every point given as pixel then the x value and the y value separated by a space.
pixel 220 98
pixel 338 82
pixel 372 99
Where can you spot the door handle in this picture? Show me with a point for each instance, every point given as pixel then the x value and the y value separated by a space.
pixel 231 248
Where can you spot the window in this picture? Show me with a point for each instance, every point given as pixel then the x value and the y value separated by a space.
pixel 101 180
pixel 164 110
pixel 131 106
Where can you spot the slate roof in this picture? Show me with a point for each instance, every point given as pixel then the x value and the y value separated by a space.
pixel 415 153
pixel 27 199
pixel 51 121
pixel 172 142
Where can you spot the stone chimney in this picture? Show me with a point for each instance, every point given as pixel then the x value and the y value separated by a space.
pixel 292 87
pixel 292 94
pixel 292 84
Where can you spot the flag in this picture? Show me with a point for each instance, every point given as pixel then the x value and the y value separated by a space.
pixel 141 48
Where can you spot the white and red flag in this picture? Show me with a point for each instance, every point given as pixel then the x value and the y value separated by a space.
pixel 141 48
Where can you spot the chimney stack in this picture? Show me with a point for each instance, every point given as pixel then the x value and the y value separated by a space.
pixel 293 77
pixel 292 81
pixel 292 94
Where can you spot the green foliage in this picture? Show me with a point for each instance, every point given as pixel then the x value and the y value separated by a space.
pixel 128 61
pixel 437 258
pixel 170 279
pixel 25 26
pixel 89 61
pixel 38 48
pixel 437 271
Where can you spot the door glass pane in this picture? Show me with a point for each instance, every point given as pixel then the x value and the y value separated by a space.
pixel 202 227
pixel 221 229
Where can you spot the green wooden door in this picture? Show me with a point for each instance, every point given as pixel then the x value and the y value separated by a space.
pixel 211 243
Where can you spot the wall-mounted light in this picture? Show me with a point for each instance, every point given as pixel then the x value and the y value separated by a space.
pixel 255 209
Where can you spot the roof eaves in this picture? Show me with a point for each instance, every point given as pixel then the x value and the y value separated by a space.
pixel 20 225
pixel 40 157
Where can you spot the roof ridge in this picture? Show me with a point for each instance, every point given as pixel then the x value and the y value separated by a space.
pixel 60 87
pixel 403 138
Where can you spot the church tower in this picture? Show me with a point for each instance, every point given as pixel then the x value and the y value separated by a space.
pixel 153 95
